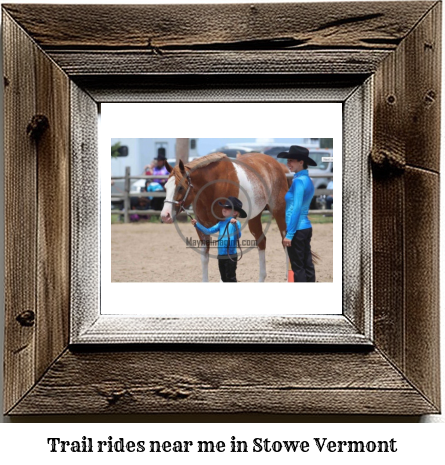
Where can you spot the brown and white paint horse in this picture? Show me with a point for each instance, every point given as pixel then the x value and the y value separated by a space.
pixel 258 180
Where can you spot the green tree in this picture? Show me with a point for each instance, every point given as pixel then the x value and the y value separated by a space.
pixel 326 143
pixel 115 150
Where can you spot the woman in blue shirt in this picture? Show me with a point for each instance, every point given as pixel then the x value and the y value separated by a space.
pixel 229 232
pixel 299 228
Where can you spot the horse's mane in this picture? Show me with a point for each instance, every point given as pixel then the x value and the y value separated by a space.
pixel 200 162
pixel 204 161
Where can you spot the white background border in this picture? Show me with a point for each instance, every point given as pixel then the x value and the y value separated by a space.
pixel 237 120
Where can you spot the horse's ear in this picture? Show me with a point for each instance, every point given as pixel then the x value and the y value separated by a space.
pixel 169 168
pixel 181 166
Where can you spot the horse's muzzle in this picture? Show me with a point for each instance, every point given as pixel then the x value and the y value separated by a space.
pixel 167 218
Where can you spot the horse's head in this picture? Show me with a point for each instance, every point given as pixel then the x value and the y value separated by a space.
pixel 179 191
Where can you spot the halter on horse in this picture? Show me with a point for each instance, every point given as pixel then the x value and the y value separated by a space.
pixel 182 202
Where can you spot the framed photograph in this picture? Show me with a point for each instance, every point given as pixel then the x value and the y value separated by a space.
pixel 88 296
pixel 171 253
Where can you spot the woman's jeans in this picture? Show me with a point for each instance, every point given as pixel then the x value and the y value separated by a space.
pixel 301 257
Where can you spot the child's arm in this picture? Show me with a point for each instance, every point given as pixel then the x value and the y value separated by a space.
pixel 234 229
pixel 239 229
pixel 207 231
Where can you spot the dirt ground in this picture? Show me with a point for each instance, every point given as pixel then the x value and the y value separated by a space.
pixel 155 252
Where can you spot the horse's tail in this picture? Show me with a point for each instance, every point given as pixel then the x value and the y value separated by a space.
pixel 315 257
pixel 286 171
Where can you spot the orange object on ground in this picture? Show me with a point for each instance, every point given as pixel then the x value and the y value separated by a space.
pixel 290 274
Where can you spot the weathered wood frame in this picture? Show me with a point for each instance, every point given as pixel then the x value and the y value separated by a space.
pixel 66 61
pixel 90 323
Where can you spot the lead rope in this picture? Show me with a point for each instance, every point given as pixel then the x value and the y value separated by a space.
pixel 228 242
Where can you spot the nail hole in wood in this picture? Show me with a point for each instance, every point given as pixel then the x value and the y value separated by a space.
pixel 26 318
pixel 37 126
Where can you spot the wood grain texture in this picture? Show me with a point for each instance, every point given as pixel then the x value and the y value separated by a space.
pixel 422 95
pixel 422 281
pixel 20 213
pixel 221 382
pixel 219 88
pixel 356 215
pixel 53 228
pixel 388 268
pixel 406 206
pixel 223 330
pixel 165 39
pixel 108 329
pixel 408 87
pixel 389 142
pixel 117 62
pixel 156 27
pixel 399 41
pixel 85 211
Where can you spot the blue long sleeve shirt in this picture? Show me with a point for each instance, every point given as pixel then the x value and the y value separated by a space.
pixel 231 235
pixel 298 200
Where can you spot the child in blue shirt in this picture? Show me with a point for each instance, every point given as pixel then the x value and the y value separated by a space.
pixel 229 232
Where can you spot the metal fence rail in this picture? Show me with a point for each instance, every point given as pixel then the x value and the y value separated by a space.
pixel 127 194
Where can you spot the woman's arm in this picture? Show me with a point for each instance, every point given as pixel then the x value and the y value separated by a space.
pixel 298 192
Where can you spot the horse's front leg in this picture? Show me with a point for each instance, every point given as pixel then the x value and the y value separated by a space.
pixel 263 272
pixel 205 246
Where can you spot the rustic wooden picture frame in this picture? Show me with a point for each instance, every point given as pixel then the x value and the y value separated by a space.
pixel 90 318
pixel 68 60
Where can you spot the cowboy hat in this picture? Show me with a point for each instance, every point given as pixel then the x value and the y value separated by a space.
pixel 298 153
pixel 161 154
pixel 235 204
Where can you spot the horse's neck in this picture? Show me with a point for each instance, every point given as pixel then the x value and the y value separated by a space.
pixel 207 197
pixel 203 209
pixel 204 214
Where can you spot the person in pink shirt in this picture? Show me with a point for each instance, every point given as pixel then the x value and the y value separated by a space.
pixel 159 167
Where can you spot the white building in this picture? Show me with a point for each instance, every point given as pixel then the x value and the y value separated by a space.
pixel 141 152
